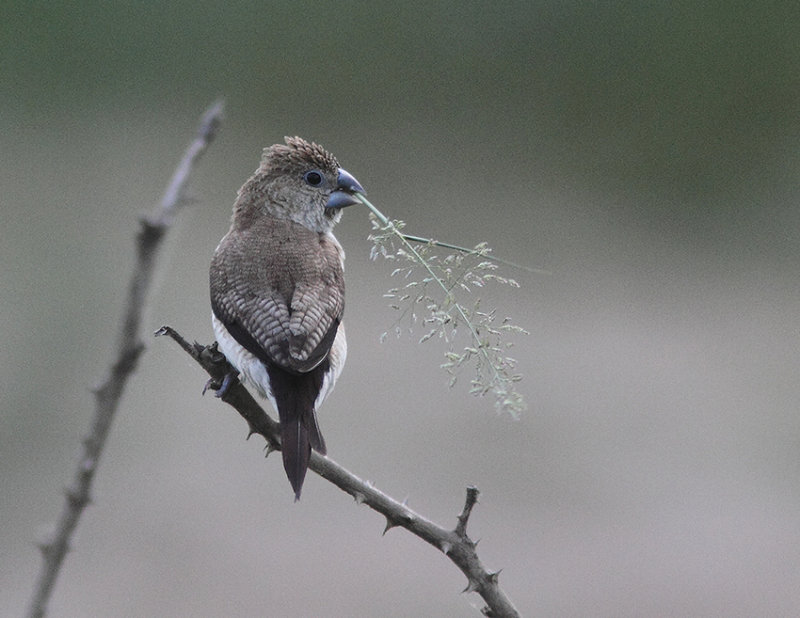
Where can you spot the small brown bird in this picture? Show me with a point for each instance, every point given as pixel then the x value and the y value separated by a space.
pixel 277 290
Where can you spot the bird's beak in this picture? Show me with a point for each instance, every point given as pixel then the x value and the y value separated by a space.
pixel 346 186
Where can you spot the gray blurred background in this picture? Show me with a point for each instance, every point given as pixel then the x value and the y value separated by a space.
pixel 647 155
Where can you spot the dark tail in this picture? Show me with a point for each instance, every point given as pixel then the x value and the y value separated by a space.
pixel 296 452
pixel 295 395
pixel 298 435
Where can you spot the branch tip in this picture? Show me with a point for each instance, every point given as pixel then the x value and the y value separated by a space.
pixel 163 330
pixel 463 518
pixel 212 118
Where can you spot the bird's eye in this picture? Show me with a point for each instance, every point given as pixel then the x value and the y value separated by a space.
pixel 313 178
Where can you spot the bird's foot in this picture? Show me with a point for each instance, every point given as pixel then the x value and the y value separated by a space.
pixel 221 388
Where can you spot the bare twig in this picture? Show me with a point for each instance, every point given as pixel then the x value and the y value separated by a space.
pixel 129 348
pixel 453 543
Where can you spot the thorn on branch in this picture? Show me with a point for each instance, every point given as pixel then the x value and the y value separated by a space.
pixel 389 525
pixel 46 548
pixel 76 498
pixel 472 586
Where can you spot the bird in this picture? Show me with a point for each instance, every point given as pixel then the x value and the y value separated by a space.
pixel 277 290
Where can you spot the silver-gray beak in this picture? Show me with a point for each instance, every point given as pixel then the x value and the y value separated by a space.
pixel 346 186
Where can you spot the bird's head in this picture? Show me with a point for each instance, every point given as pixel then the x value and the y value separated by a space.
pixel 300 181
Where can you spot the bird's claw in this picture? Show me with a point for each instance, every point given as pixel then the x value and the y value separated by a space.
pixel 220 390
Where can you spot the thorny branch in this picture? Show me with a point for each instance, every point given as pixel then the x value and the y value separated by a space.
pixel 455 544
pixel 130 347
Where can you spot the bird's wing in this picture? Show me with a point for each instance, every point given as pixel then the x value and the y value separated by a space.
pixel 283 305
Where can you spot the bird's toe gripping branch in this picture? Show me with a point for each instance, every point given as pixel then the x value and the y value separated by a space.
pixel 221 389
pixel 223 374
pixel 226 375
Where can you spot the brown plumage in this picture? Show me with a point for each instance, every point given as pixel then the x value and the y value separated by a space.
pixel 277 289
